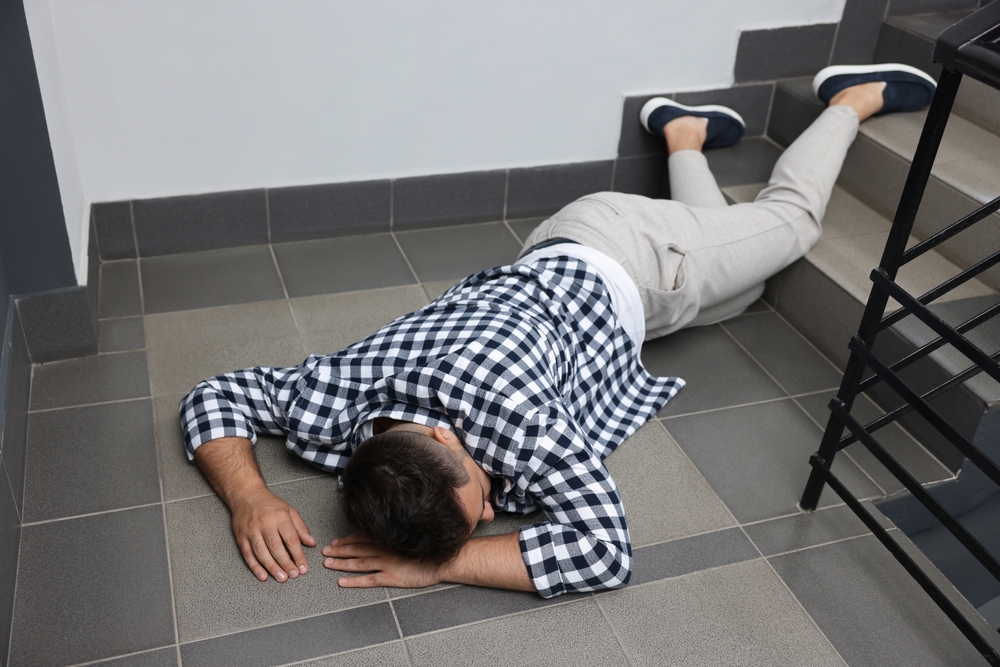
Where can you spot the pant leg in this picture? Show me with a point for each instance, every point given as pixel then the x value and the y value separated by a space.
pixel 692 182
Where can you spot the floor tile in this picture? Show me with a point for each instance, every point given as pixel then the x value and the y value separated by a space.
pixel 718 373
pixel 749 161
pixel 321 211
pixel 570 634
pixel 187 347
pixel 113 227
pixel 524 226
pixel 197 222
pixel 344 264
pixel 664 496
pixel 756 307
pixel 10 542
pixel 15 411
pixel 456 252
pixel 437 288
pixel 214 590
pixel 206 279
pixel 846 215
pixel 784 354
pixel 460 605
pixel 164 657
pixel 295 641
pixel 542 190
pixel 448 199
pixel 111 598
pixel 907 451
pixel 182 479
pixel 805 529
pixel 392 654
pixel 90 459
pixel 790 115
pixel 332 322
pixel 757 457
pixel 105 377
pixel 736 615
pixel 121 335
pixel 873 612
pixel 691 554
pixel 118 295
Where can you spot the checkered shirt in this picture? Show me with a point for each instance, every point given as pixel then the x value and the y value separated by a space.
pixel 526 364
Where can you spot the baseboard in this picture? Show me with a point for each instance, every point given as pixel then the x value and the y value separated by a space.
pixel 58 324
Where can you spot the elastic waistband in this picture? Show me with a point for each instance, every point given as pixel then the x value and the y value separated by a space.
pixel 546 244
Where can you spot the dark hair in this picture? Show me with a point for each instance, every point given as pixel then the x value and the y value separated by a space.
pixel 400 489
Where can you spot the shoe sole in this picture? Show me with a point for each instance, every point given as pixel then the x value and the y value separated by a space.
pixel 652 105
pixel 837 70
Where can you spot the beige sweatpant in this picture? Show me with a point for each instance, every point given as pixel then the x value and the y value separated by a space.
pixel 696 260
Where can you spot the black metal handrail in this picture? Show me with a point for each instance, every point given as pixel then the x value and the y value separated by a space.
pixel 970 47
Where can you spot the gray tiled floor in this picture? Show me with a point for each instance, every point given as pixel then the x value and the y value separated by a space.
pixel 710 488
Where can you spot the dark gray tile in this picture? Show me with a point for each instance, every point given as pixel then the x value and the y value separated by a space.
pixel 756 457
pixel 121 335
pixel 757 307
pixel 779 53
pixel 896 45
pixel 524 226
pixel 907 451
pixel 783 353
pixel 163 657
pixel 806 529
pixel 392 654
pixel 105 377
pixel 752 102
pixel 119 290
pixel 456 252
pixel 119 567
pixel 535 191
pixel 448 199
pixel 634 139
pixel 870 608
pixel 93 274
pixel 568 634
pixel 10 542
pixel 791 115
pixel 460 605
pixel 321 211
pixel 858 33
pixel 930 25
pixel 297 640
pixel 345 264
pixel 718 373
pixel 205 279
pixel 58 325
pixel 113 224
pixel 644 175
pixel 91 459
pixel 749 161
pixel 897 7
pixel 15 415
pixel 691 554
pixel 200 222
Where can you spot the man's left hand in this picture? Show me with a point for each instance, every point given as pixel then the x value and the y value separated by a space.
pixel 357 553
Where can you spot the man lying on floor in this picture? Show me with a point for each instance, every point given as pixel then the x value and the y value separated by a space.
pixel 507 392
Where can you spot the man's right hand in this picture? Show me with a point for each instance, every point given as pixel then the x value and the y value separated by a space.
pixel 269 532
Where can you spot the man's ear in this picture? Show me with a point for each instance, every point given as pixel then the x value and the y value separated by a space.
pixel 446 437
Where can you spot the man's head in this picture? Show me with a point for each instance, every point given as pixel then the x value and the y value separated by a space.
pixel 416 491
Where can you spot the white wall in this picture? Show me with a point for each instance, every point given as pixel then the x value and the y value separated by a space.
pixel 185 96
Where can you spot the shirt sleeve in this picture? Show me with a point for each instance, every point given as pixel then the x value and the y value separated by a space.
pixel 585 545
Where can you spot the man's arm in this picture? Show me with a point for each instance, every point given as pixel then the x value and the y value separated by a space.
pixel 484 561
pixel 269 532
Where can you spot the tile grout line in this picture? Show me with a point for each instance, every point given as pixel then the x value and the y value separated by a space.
pixel 392 204
pixel 324 475
pixel 833 44
pixel 13 497
pixel 267 216
pixel 288 300
pixel 572 600
pixel 740 405
pixel 88 514
pixel 306 661
pixel 770 108
pixel 822 544
pixel 123 655
pixel 399 629
pixel 407 259
pixel 88 405
pixel 614 632
pixel 17 577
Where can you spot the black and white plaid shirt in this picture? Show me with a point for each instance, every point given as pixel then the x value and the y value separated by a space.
pixel 527 364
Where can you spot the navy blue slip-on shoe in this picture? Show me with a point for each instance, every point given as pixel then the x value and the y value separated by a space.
pixel 725 126
pixel 906 88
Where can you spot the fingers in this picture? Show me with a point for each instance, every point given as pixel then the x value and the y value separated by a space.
pixel 255 566
pixel 291 537
pixel 275 541
pixel 364 581
pixel 300 527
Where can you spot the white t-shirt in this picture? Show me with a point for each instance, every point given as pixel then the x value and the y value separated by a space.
pixel 625 297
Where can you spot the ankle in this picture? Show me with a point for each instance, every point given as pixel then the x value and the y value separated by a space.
pixel 687 133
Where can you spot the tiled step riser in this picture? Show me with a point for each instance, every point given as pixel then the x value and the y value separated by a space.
pixel 829 316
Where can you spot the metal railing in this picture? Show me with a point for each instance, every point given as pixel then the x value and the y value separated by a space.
pixel 970 47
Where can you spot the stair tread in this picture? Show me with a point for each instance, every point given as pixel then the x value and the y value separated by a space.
pixel 928 26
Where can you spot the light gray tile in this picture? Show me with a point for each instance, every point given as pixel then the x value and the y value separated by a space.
pixel 664 496
pixel 392 654
pixel 118 294
pixel 806 529
pixel 873 612
pixel 206 279
pixel 105 377
pixel 90 459
pixel 736 615
pixel 217 594
pixel 525 226
pixel 182 479
pixel 189 346
pixel 691 554
pixel 783 353
pixel 456 252
pixel 459 605
pixel 111 598
pixel 757 457
pixel 164 657
pixel 121 335
pixel 435 289
pixel 572 634
pixel 331 322
pixel 846 215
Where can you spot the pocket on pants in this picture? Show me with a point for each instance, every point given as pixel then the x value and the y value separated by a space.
pixel 670 298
